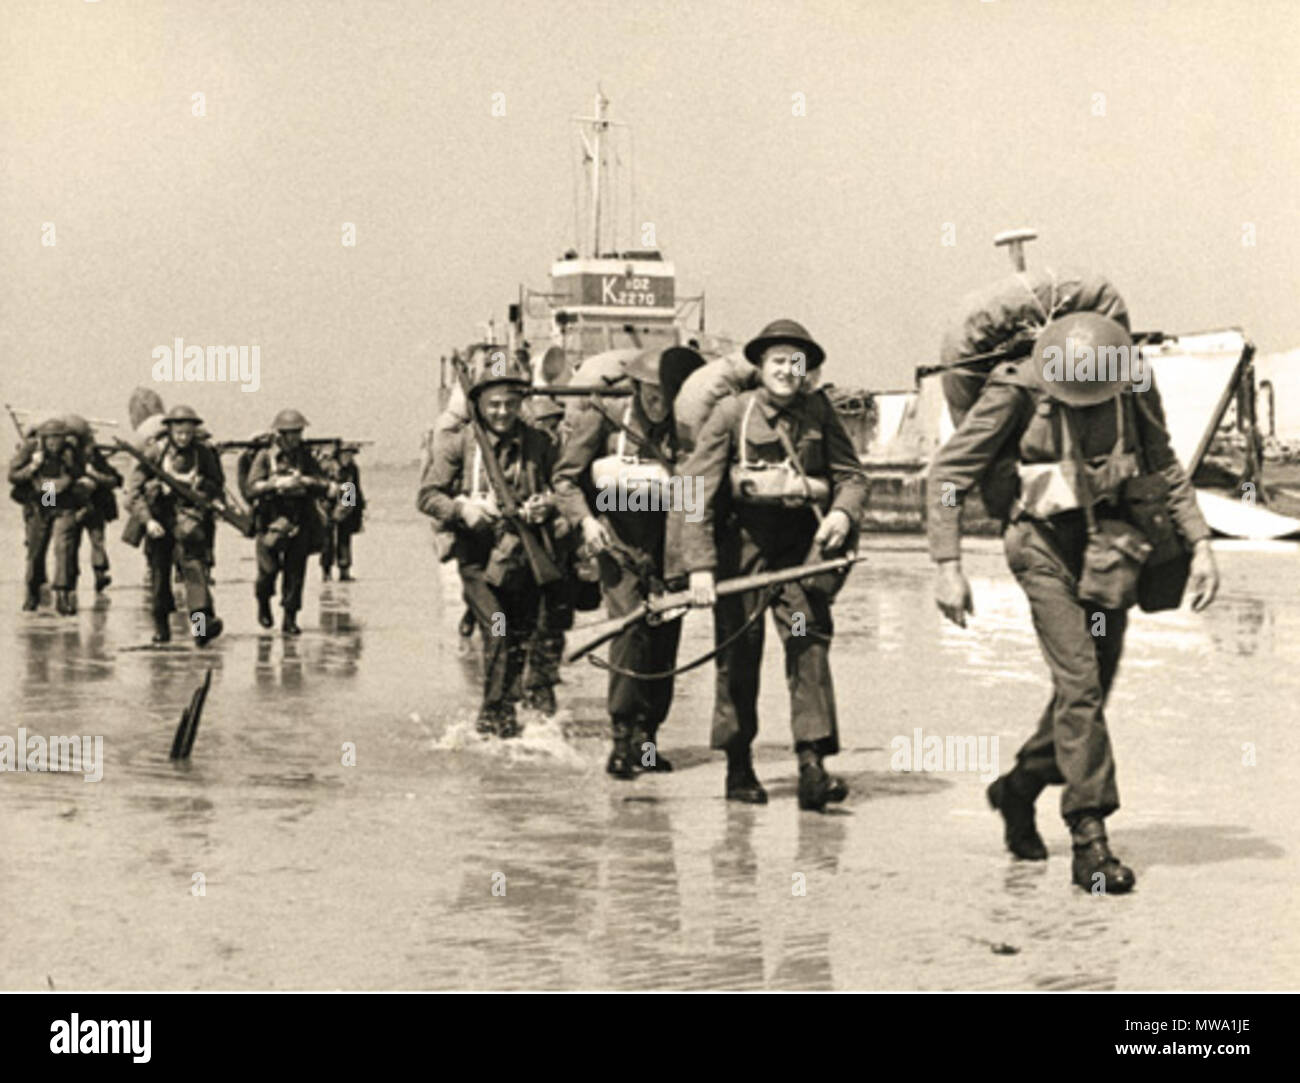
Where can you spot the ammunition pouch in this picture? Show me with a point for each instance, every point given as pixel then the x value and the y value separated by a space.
pixel 278 532
pixel 1112 564
pixel 627 473
pixel 133 531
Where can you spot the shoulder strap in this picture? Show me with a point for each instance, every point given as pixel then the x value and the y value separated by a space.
pixel 744 432
pixel 1070 447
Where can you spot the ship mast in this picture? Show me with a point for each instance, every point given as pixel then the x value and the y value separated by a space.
pixel 593 148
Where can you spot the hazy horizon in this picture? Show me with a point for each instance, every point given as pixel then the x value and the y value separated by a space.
pixel 225 229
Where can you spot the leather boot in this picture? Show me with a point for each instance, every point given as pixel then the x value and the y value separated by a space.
pixel 102 580
pixel 289 626
pixel 1019 831
pixel 33 600
pixel 640 754
pixel 212 625
pixel 325 575
pixel 742 783
pixel 467 624
pixel 542 700
pixel 619 763
pixel 818 788
pixel 1096 869
pixel 345 576
pixel 264 617
pixel 162 632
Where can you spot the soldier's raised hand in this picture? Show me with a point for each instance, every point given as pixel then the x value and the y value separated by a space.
pixel 952 593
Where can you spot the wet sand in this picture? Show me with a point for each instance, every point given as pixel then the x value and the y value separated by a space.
pixel 382 875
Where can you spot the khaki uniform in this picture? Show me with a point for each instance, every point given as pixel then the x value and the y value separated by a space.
pixel 498 584
pixel 752 538
pixel 630 573
pixel 289 526
pixel 50 498
pixel 1013 424
pixel 187 540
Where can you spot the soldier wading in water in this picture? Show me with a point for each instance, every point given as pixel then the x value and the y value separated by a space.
pixel 1092 498
pixel 767 462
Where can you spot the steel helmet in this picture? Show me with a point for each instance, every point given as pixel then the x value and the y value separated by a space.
pixel 497 367
pixel 53 427
pixel 785 332
pixel 77 426
pixel 181 413
pixel 1083 359
pixel 289 421
pixel 543 406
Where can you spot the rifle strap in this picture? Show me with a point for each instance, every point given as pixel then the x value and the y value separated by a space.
pixel 757 614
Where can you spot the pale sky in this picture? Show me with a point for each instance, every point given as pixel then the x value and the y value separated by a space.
pixel 226 228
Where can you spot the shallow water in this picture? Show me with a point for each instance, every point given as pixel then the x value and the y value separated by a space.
pixel 382 875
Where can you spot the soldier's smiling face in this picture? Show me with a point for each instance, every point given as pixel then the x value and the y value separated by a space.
pixel 783 370
pixel 53 444
pixel 291 438
pixel 499 408
pixel 182 433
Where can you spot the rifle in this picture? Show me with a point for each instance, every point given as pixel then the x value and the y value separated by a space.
pixel 240 521
pixel 540 562
pixel 262 442
pixel 17 424
pixel 573 391
pixel 983 363
pixel 655 609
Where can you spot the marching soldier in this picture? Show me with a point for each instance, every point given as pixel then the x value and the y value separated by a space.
pixel 343 513
pixel 176 530
pixel 1062 463
pixel 498 584
pixel 284 480
pixel 641 449
pixel 101 505
pixel 47 478
pixel 779 477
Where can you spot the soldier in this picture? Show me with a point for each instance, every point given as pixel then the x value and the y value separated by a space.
pixel 344 513
pixel 767 462
pixel 629 540
pixel 176 530
pixel 1059 461
pixel 101 505
pixel 495 575
pixel 47 479
pixel 284 480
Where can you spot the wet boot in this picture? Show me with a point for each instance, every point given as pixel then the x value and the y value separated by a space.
pixel 345 575
pixel 486 723
pixel 324 575
pixel 264 617
pixel 162 632
pixel 507 724
pixel 102 580
pixel 212 625
pixel 467 624
pixel 65 601
pixel 649 759
pixel 33 600
pixel 1096 869
pixel 619 763
pixel 742 783
pixel 542 700
pixel 289 626
pixel 1007 796
pixel 817 786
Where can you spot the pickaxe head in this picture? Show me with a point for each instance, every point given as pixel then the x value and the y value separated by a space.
pixel 1015 240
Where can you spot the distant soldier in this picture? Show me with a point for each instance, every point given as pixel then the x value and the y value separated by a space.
pixel 1067 465
pixel 495 575
pixel 285 479
pixel 344 512
pixel 636 445
pixel 44 474
pixel 176 530
pixel 776 466
pixel 101 505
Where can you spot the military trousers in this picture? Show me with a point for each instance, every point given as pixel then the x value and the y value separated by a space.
pixel 286 560
pixel 546 644
pixel 763 540
pixel 337 548
pixel 637 707
pixel 506 617
pixel 190 556
pixel 44 526
pixel 1081 644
